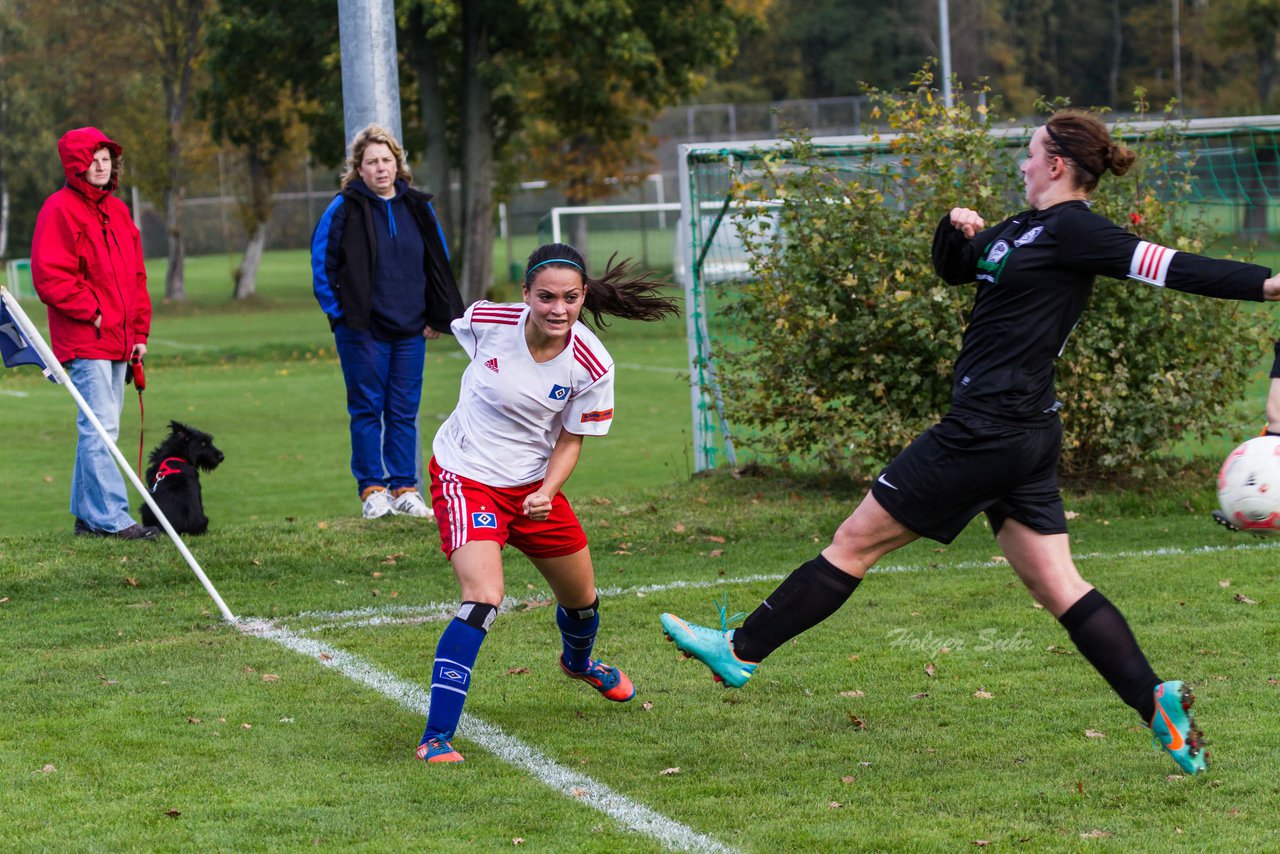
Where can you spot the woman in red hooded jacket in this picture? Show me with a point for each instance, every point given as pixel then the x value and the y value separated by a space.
pixel 86 262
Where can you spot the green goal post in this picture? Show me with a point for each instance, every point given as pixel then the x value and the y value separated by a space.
pixel 1236 174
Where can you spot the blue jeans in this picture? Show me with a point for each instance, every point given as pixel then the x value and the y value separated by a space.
pixel 384 387
pixel 98 494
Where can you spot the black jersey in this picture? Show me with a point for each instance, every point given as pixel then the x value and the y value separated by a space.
pixel 1035 272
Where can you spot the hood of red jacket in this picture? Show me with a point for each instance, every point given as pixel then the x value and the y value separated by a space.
pixel 76 150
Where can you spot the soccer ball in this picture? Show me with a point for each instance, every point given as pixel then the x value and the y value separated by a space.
pixel 1249 486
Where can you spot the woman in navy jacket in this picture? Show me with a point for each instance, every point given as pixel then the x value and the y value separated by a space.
pixel 381 274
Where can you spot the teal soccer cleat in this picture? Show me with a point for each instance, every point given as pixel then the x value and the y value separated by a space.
pixel 713 648
pixel 1173 728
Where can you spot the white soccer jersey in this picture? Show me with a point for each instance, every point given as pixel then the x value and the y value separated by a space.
pixel 511 409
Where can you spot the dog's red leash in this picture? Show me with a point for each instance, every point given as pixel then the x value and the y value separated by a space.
pixel 135 374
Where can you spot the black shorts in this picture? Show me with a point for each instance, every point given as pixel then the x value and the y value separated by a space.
pixel 965 465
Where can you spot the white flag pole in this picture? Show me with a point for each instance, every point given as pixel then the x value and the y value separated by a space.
pixel 35 340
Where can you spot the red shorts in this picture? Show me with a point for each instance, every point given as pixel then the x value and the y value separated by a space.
pixel 467 510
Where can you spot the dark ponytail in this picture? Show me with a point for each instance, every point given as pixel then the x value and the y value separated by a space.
pixel 617 293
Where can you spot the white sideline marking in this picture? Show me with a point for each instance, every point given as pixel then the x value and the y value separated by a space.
pixel 416 614
pixel 634 816
pixel 13 393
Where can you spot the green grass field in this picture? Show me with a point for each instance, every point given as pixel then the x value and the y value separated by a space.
pixel 133 718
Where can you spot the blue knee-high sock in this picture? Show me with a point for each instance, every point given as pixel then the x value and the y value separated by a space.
pixel 578 628
pixel 451 674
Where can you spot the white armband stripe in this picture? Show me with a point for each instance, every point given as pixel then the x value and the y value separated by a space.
pixel 1150 263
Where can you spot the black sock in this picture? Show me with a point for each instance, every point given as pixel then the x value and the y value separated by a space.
pixel 806 597
pixel 1103 637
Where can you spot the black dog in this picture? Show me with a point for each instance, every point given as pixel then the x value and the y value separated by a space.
pixel 175 481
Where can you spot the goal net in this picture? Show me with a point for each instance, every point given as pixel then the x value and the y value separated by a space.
pixel 1233 165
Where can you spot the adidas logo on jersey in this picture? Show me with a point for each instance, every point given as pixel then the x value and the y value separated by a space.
pixel 492 364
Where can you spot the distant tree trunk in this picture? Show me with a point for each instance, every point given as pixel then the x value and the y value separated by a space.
pixel 4 184
pixel 174 282
pixel 256 214
pixel 422 53
pixel 246 277
pixel 4 218
pixel 477 163
pixel 1117 51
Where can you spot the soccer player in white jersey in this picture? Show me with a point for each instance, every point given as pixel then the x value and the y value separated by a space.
pixel 538 383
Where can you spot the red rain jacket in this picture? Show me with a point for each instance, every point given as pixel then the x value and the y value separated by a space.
pixel 86 260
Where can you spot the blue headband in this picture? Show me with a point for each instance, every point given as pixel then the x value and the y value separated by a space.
pixel 552 261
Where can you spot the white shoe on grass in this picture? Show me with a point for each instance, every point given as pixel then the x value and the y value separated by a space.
pixel 376 503
pixel 410 503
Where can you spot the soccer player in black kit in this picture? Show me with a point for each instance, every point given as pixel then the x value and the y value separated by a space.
pixel 996 451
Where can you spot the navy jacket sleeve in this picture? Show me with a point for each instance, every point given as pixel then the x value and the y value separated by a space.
pixel 324 257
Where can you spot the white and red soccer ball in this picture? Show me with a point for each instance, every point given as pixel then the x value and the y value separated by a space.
pixel 1249 486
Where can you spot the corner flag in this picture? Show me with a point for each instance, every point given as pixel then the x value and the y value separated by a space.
pixel 14 347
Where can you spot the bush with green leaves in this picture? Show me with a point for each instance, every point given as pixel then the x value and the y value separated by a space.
pixel 849 338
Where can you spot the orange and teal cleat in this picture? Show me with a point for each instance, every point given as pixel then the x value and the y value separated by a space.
pixel 611 682
pixel 438 750
pixel 713 648
pixel 1173 728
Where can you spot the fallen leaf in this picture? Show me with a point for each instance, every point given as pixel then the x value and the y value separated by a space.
pixel 679 528
pixel 930 670
pixel 1273 681
pixel 668 772
pixel 3 600
pixel 847 779
pixel 834 805
pixel 47 769
pixel 376 574
pixel 647 705
pixel 249 669
pixel 999 559
pixel 1240 597
pixel 712 538
pixel 172 813
pixel 286 720
pixel 855 694
pixel 1097 834
pixel 981 843
pixel 944 649
pixel 1093 733
pixel 324 656
pixel 858 723
pixel 983 694
pixel 517 671
pixel 517 840
pixel 865 764
pixel 322 525
pixel 246 726
pixel 622 552
pixel 1226 582
pixel 131 581
pixel 270 677
pixel 919 696
pixel 1058 650
pixel 1037 606
pixel 578 792
pixel 716 553
pixel 1071 514
pixel 193 720
pixel 1080 788
pixel 1173 778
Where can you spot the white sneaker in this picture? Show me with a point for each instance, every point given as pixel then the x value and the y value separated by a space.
pixel 410 503
pixel 377 504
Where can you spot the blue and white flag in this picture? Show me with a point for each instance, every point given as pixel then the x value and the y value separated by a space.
pixel 14 347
